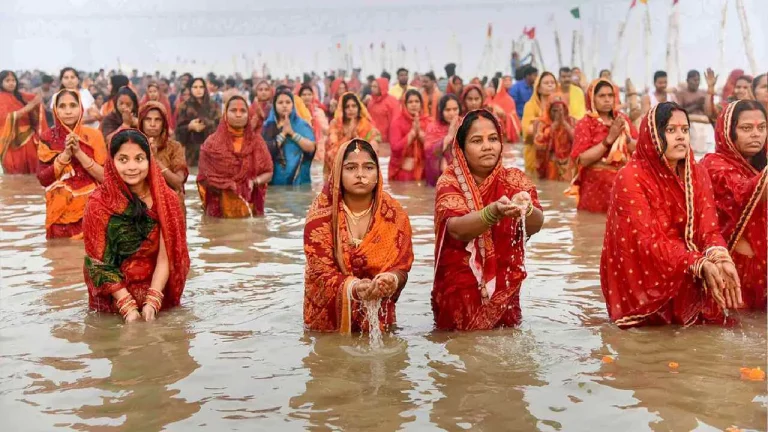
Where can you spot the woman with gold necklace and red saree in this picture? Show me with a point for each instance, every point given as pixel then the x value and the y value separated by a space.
pixel 136 259
pixel 357 241
pixel 479 253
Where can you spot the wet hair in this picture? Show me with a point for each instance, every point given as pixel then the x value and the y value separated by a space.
pixel 756 82
pixel 472 116
pixel 659 74
pixel 495 82
pixel 126 91
pixel 693 73
pixel 759 160
pixel 443 103
pixel 3 75
pixel 346 98
pixel 137 210
pixel 364 146
pixel 450 69
pixel 664 113
pixel 402 69
pixel 118 82
pixel 305 87
pixel 64 71
pixel 413 92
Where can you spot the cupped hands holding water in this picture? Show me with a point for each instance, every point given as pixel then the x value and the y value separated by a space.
pixel 383 285
pixel 515 207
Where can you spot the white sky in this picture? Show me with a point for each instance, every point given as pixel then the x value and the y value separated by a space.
pixel 295 35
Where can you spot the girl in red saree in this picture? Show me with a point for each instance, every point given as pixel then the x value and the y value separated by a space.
pixel 664 260
pixel 350 121
pixel 71 157
pixel 554 139
pixel 603 142
pixel 383 107
pixel 439 137
pixel 19 120
pixel 235 166
pixel 479 240
pixel 136 259
pixel 408 136
pixel 738 173
pixel 357 241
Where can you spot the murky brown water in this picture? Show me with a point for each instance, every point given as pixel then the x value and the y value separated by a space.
pixel 235 356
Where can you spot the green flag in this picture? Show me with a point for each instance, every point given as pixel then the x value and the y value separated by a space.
pixel 575 12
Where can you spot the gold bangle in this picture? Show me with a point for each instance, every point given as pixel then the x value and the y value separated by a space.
pixel 93 162
pixel 530 210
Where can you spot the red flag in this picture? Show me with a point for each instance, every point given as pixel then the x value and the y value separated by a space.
pixel 531 33
pixel 490 30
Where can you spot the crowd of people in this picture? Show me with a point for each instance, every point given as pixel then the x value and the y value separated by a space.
pixel 685 240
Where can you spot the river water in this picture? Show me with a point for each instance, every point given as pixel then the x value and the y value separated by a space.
pixel 235 356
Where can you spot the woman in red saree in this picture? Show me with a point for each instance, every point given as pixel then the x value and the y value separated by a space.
pixel 439 137
pixel 502 99
pixel 168 153
pixel 154 94
pixel 479 254
pixel 664 260
pixel 350 121
pixel 473 98
pixel 338 88
pixel 544 86
pixel 357 241
pixel 408 137
pixel 383 107
pixel 738 173
pixel 554 139
pixel 262 104
pixel 235 166
pixel 71 157
pixel 19 120
pixel 136 261
pixel 603 142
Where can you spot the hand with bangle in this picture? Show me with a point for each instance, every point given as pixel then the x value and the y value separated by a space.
pixel 153 302
pixel 127 307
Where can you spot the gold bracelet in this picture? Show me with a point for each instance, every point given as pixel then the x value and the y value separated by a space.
pixel 93 162
pixel 163 170
pixel 58 159
pixel 530 210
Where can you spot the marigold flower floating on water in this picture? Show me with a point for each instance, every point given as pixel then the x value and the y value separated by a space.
pixel 607 359
pixel 674 365
pixel 749 374
pixel 732 429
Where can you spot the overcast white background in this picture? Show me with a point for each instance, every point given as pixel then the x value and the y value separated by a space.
pixel 296 35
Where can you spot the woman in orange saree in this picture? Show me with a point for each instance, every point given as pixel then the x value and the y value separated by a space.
pixel 506 104
pixel 357 241
pixel 545 85
pixel 168 153
pixel 664 260
pixel 554 139
pixel 235 166
pixel 440 133
pixel 479 253
pixel 350 121
pixel 319 121
pixel 19 120
pixel 738 173
pixel 408 137
pixel 71 157
pixel 136 261
pixel 603 143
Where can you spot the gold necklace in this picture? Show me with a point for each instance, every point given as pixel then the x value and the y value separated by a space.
pixel 355 217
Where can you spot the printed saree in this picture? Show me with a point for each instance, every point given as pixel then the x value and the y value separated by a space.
pixel 553 143
pixel 741 207
pixel 490 264
pixel 18 139
pixel 334 263
pixel 406 163
pixel 364 130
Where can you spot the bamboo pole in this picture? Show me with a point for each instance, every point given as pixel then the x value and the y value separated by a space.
pixel 721 42
pixel 574 42
pixel 745 33
pixel 622 28
pixel 647 45
pixel 672 38
pixel 539 57
pixel 558 49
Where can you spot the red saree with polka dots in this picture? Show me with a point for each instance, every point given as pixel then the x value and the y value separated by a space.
pixel 741 207
pixel 658 226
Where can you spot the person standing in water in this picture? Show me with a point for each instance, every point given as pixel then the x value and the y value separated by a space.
pixel 357 240
pixel 479 248
pixel 693 101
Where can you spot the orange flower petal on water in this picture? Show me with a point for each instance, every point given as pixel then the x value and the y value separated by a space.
pixel 607 359
pixel 733 428
pixel 674 365
pixel 749 374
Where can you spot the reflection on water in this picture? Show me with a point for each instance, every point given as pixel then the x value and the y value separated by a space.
pixel 236 353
